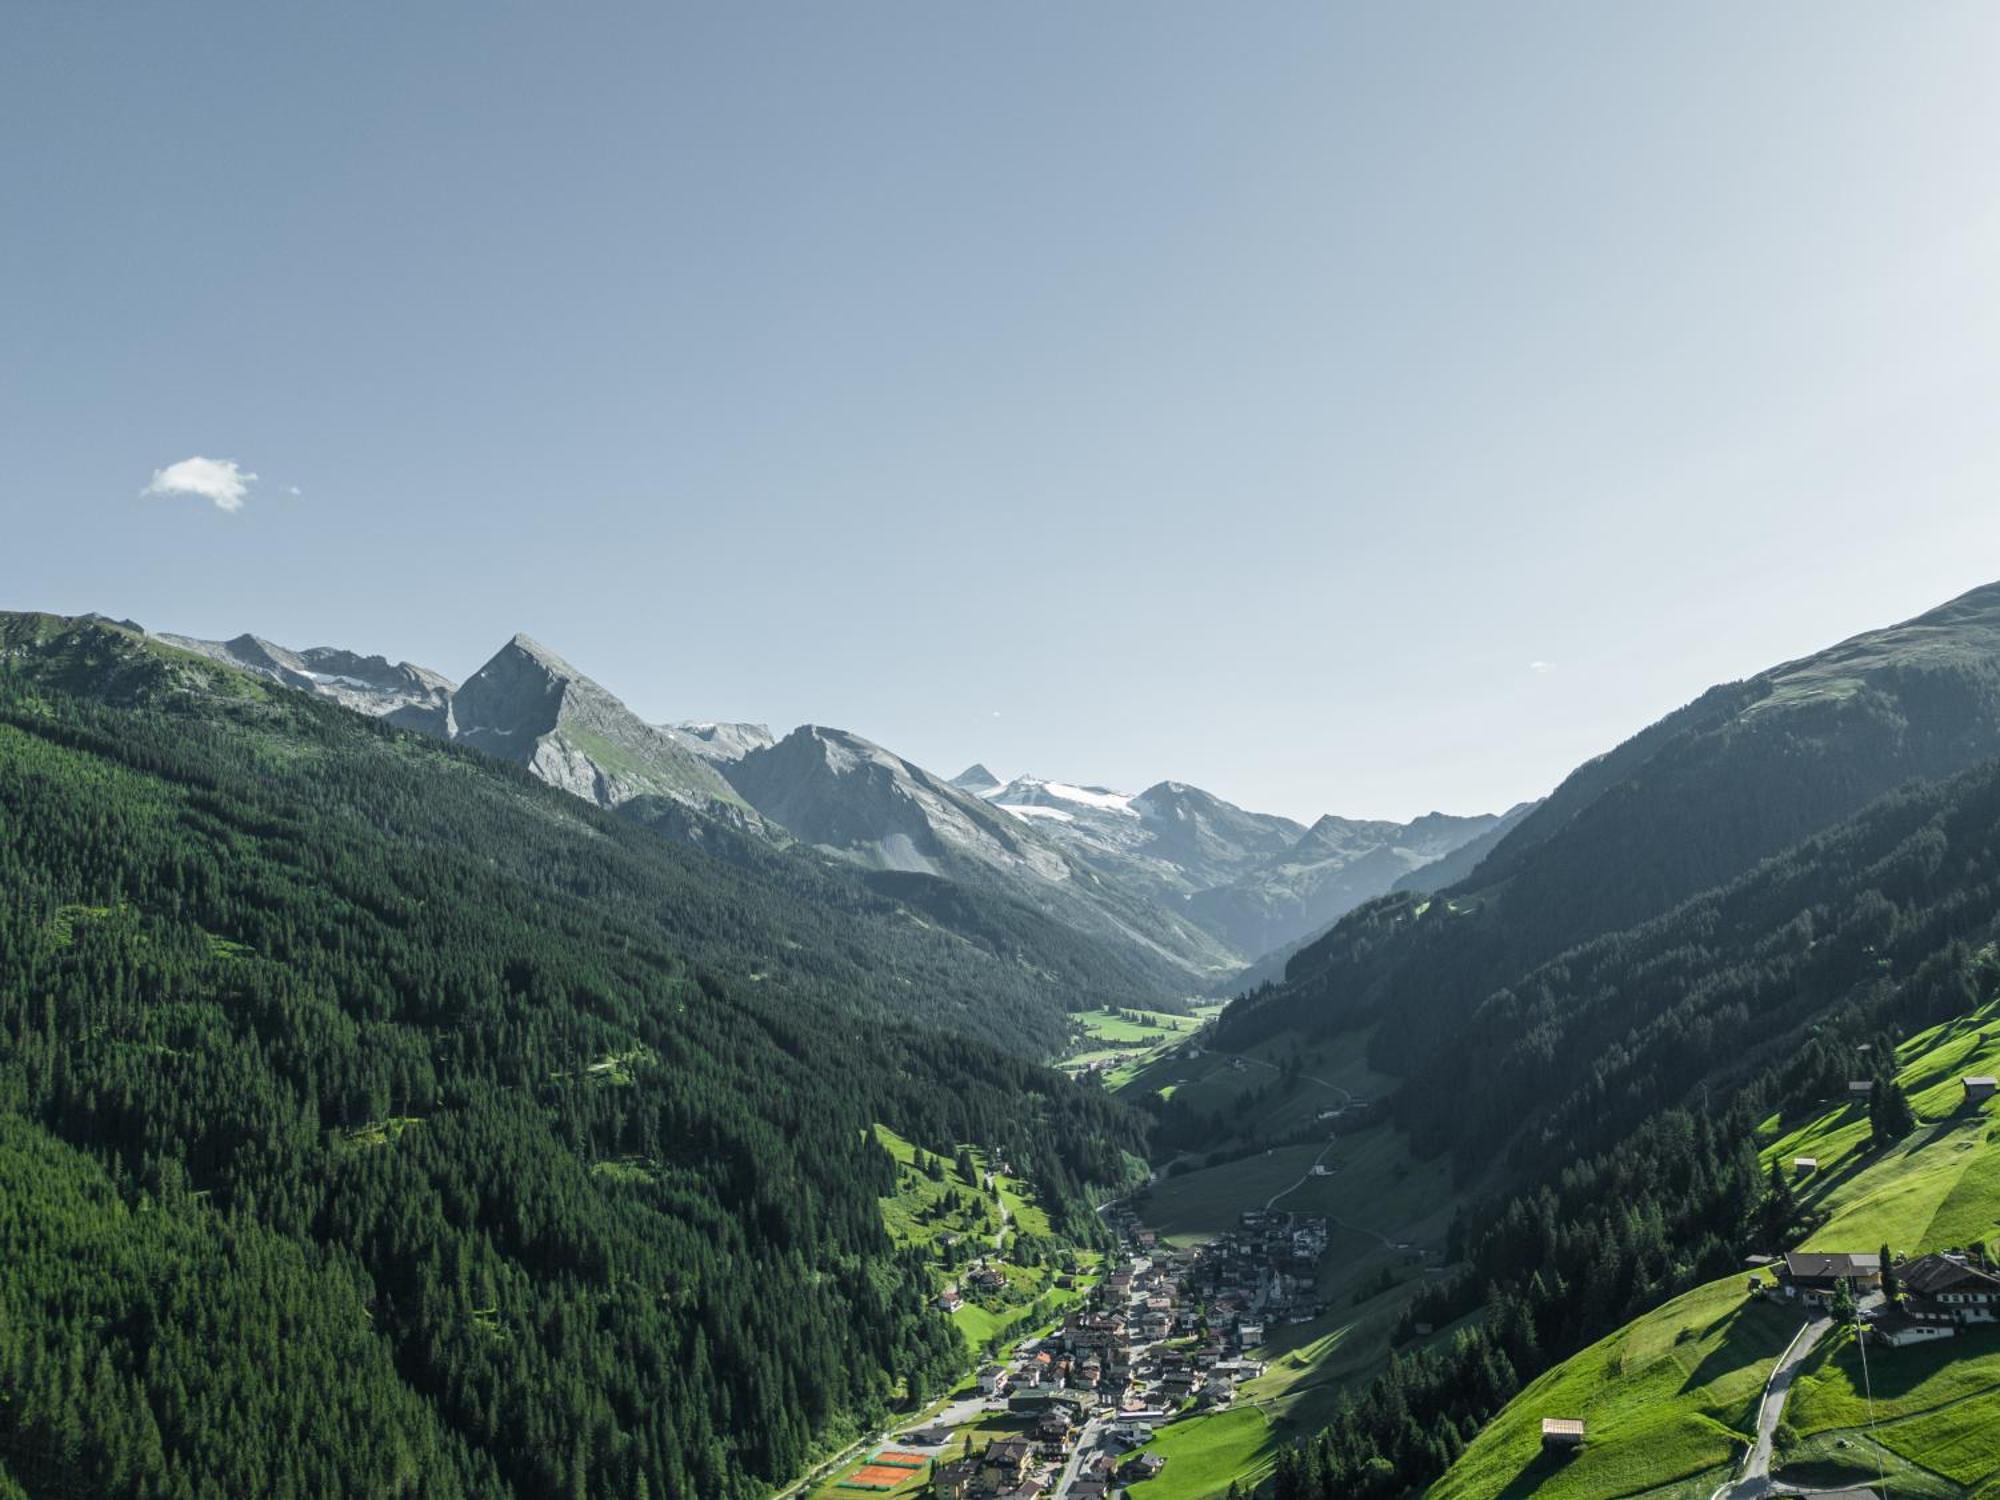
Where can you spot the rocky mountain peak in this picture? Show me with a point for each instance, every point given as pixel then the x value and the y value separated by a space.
pixel 977 780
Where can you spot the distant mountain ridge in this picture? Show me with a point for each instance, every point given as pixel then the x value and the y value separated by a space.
pixel 847 795
pixel 1256 882
pixel 1191 884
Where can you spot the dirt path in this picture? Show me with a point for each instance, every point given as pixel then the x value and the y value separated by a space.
pixel 1325 1083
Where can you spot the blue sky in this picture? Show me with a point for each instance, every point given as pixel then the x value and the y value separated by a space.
pixel 1365 409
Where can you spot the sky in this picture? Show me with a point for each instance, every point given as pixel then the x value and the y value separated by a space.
pixel 1352 408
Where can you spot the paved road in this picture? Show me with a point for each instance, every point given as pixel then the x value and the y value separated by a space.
pixel 1086 1441
pixel 955 1414
pixel 1754 1483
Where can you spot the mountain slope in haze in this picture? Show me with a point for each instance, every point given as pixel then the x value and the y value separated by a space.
pixel 1457 865
pixel 1334 866
pixel 851 797
pixel 1164 845
pixel 1745 770
pixel 387 1123
pixel 1255 881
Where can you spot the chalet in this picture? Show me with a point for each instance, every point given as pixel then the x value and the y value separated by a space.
pixel 1860 1088
pixel 1815 1276
pixel 992 1380
pixel 1087 1489
pixel 949 1300
pixel 1054 1425
pixel 956 1480
pixel 1009 1459
pixel 1146 1466
pixel 1562 1434
pixel 1804 1166
pixel 986 1279
pixel 1249 1335
pixel 1979 1088
pixel 1949 1289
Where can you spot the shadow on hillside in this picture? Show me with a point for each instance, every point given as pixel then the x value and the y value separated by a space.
pixel 1752 1317
pixel 1896 1373
pixel 1535 1473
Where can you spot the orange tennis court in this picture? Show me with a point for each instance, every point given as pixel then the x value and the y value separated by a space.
pixel 900 1459
pixel 875 1477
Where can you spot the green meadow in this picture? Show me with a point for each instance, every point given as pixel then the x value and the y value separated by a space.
pixel 1668 1397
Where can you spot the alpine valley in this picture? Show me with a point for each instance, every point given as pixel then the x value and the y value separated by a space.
pixel 413 1088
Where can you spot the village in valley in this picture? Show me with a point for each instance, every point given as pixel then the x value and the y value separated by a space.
pixel 1102 1366
pixel 1163 1335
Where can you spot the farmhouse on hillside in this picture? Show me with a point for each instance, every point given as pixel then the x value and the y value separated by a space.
pixel 1949 1289
pixel 1815 1275
pixel 1979 1087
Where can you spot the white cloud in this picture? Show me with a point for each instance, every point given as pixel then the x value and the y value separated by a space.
pixel 1541 668
pixel 216 479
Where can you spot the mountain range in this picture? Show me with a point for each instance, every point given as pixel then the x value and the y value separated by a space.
pixel 1183 884
pixel 422 1058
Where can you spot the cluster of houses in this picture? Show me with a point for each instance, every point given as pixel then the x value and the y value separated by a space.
pixel 1162 1335
pixel 1937 1294
pixel 981 1278
pixel 1260 1274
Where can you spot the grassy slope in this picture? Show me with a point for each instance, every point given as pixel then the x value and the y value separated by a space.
pixel 1130 1046
pixel 1938 1188
pixel 1665 1399
pixel 1938 1406
pixel 916 1215
pixel 1375 1186
pixel 1205 1456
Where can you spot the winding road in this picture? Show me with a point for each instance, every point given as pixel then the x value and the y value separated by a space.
pixel 1755 1482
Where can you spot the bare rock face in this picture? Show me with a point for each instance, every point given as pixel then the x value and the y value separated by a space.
pixel 412 696
pixel 722 743
pixel 1253 881
pixel 526 705
pixel 529 706
pixel 852 798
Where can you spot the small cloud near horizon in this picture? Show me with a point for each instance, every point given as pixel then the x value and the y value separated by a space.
pixel 1541 668
pixel 219 480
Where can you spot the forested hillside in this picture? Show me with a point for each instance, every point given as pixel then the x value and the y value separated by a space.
pixel 1736 776
pixel 1620 1089
pixel 375 1120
